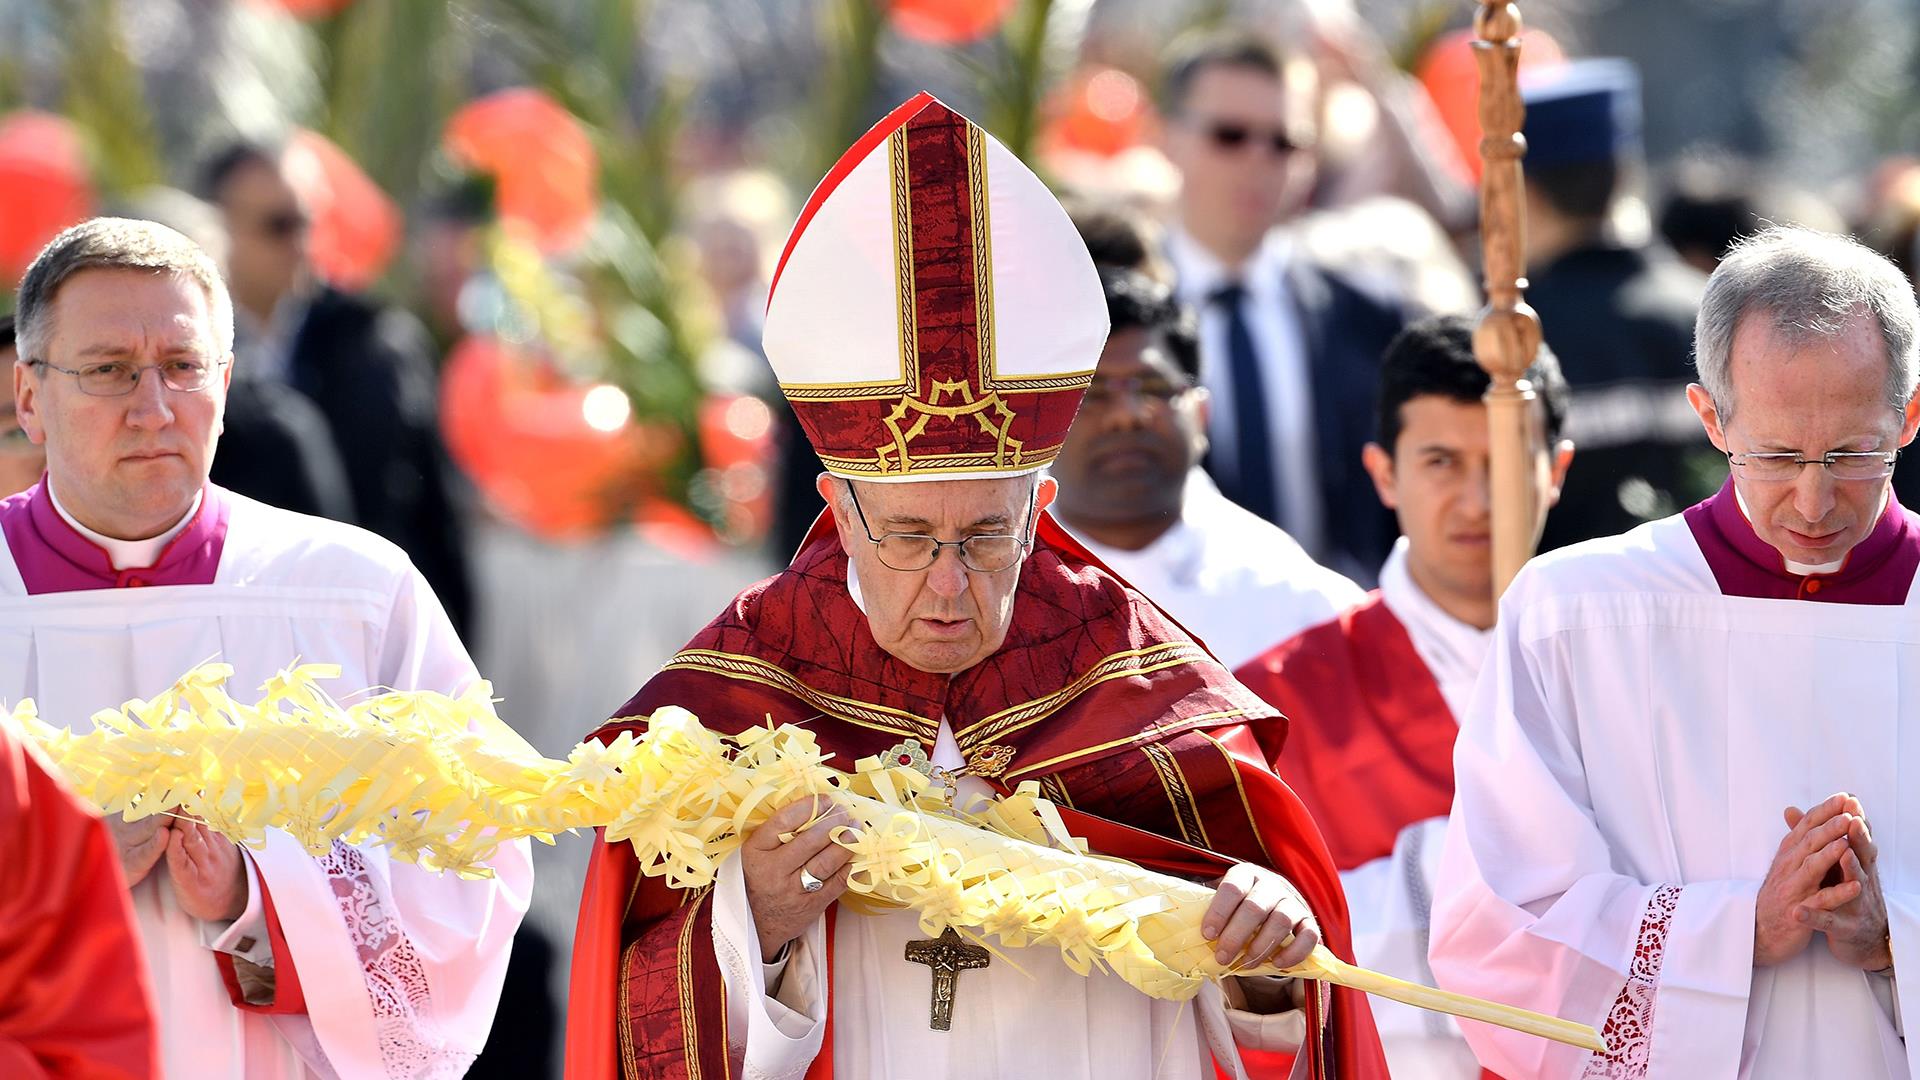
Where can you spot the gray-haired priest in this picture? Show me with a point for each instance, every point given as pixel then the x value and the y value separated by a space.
pixel 934 323
pixel 1687 783
pixel 123 569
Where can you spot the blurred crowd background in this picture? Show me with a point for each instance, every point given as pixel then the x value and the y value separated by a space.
pixel 500 264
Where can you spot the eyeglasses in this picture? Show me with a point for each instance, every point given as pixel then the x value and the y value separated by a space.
pixel 1229 135
pixel 986 554
pixel 117 378
pixel 1153 389
pixel 1842 466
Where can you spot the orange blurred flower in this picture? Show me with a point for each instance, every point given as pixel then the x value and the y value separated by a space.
pixel 1101 111
pixel 949 22
pixel 1451 76
pixel 548 453
pixel 356 227
pixel 43 173
pixel 542 161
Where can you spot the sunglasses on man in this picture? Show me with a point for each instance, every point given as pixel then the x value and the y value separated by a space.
pixel 1230 135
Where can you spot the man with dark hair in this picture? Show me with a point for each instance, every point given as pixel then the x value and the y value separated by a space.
pixel 1619 315
pixel 1132 491
pixel 1291 346
pixel 1377 693
pixel 1119 235
pixel 368 366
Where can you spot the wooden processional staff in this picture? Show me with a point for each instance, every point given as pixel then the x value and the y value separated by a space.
pixel 1508 334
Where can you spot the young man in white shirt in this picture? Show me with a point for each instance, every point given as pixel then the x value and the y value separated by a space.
pixel 1374 695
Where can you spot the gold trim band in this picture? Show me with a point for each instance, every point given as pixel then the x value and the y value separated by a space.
pixel 755 670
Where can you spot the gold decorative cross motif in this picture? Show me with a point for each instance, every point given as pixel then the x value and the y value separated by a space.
pixel 947 955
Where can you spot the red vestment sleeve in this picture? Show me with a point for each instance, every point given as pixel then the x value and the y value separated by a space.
pixel 74 996
pixel 594 981
pixel 288 998
pixel 646 997
pixel 1288 833
pixel 1292 846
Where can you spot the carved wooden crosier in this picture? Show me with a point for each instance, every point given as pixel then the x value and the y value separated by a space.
pixel 1508 335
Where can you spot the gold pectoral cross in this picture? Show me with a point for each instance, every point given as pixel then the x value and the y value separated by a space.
pixel 947 955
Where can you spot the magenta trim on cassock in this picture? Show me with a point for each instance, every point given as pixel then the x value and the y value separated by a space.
pixel 1879 569
pixel 53 557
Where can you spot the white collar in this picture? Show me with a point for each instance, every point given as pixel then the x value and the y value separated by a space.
pixel 1807 569
pixel 1453 650
pixel 268 346
pixel 853 589
pixel 127 554
pixel 1199 271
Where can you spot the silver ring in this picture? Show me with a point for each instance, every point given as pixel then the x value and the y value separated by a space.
pixel 809 883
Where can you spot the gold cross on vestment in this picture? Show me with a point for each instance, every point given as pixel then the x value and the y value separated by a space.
pixel 947 955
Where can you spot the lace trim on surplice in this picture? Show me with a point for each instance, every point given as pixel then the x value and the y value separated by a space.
pixel 411 1045
pixel 1629 1029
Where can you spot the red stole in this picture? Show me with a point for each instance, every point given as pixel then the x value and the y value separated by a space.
pixel 75 1000
pixel 1095 693
pixel 1370 749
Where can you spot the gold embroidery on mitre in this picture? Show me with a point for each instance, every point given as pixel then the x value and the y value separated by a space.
pixel 898 458
pixel 982 236
pixel 990 762
pixel 914 405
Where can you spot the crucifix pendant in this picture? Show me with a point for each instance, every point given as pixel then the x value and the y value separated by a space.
pixel 947 956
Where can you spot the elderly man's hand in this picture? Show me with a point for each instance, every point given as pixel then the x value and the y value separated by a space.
pixel 209 874
pixel 1258 917
pixel 139 843
pixel 782 908
pixel 1853 913
pixel 1812 848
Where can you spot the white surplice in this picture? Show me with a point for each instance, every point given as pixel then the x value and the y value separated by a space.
pixel 401 969
pixel 1619 785
pixel 1236 581
pixel 1390 899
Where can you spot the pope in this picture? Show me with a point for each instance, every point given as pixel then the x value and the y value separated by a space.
pixel 934 321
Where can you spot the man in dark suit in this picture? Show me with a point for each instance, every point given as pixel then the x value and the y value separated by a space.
pixel 1618 314
pixel 367 366
pixel 276 445
pixel 1291 348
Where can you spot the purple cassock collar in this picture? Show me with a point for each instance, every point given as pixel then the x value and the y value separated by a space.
pixel 1879 569
pixel 54 558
